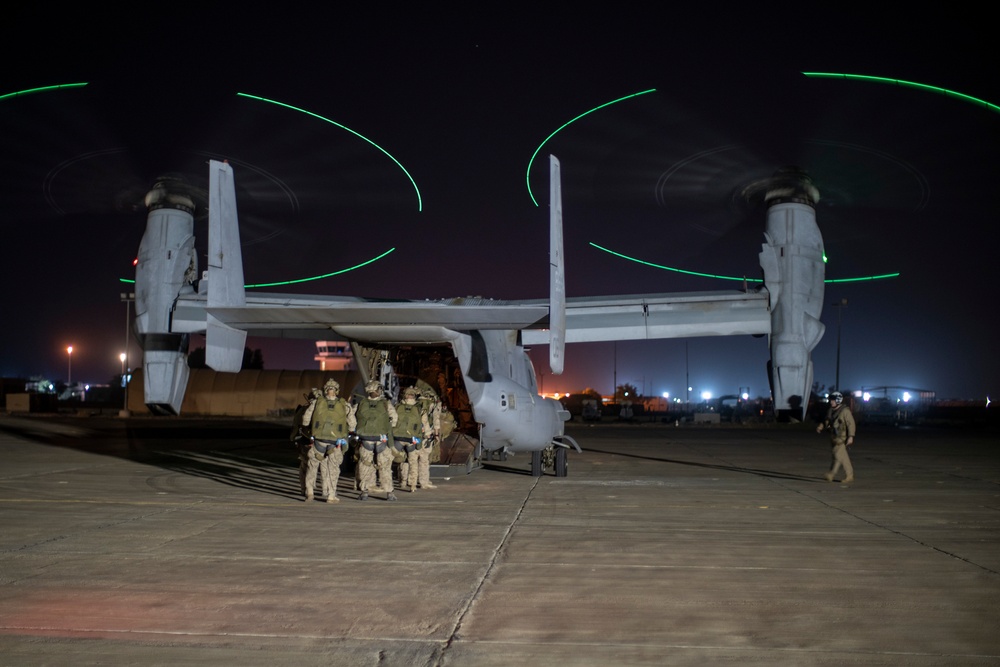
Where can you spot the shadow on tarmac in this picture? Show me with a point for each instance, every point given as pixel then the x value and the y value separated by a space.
pixel 247 455
pixel 712 466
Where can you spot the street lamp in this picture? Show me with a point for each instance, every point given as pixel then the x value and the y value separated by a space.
pixel 69 365
pixel 840 305
pixel 128 298
pixel 124 411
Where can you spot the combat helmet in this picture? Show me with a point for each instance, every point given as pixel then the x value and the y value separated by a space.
pixel 373 387
pixel 331 384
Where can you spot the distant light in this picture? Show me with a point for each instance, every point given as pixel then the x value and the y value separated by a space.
pixel 866 396
pixel 745 396
pixel 564 126
pixel 705 395
pixel 906 397
pixel 420 205
pixel 666 394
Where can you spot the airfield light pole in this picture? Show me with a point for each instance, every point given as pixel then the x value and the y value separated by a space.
pixel 614 383
pixel 69 365
pixel 127 297
pixel 840 305
pixel 687 379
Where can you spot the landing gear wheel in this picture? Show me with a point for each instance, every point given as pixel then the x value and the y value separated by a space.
pixel 536 463
pixel 562 462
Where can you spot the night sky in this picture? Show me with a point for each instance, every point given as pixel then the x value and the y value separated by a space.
pixel 462 101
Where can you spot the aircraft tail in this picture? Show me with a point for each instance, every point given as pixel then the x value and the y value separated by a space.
pixel 557 272
pixel 224 345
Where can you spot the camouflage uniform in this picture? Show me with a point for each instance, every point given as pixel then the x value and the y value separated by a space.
pixel 375 419
pixel 432 406
pixel 840 421
pixel 332 419
pixel 410 436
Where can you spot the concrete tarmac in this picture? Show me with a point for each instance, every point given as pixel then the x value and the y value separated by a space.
pixel 186 542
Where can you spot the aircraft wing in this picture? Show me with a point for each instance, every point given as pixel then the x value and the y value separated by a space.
pixel 647 316
pixel 588 319
pixel 354 318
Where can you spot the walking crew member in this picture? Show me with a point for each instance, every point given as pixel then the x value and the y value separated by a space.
pixel 840 421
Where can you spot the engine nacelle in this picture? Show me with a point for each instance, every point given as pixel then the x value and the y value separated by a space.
pixel 167 267
pixel 792 260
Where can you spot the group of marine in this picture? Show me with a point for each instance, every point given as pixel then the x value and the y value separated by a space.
pixel 382 434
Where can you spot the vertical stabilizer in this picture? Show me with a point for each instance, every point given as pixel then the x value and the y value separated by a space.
pixel 223 344
pixel 557 272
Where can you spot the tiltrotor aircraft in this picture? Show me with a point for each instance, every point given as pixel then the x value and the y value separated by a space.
pixel 476 345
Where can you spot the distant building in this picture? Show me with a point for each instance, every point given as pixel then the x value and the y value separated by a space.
pixel 334 355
